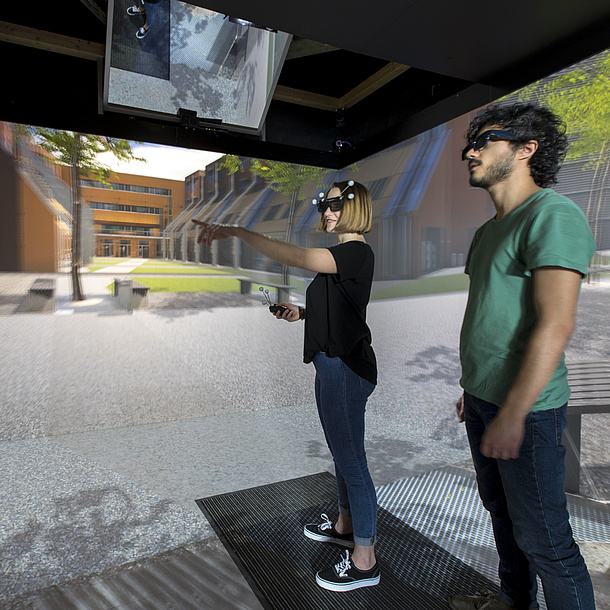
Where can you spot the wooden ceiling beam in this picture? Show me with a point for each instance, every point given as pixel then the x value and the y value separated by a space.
pixel 351 98
pixel 372 84
pixel 306 98
pixel 48 41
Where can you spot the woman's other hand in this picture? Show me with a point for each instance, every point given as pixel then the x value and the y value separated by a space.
pixel 290 315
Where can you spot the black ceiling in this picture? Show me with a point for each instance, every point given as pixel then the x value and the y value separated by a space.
pixel 459 57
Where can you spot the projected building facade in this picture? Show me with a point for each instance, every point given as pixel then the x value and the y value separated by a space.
pixel 131 213
pixel 425 214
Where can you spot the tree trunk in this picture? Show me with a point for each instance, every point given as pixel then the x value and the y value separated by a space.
pixel 589 212
pixel 593 210
pixel 77 292
pixel 597 228
pixel 293 205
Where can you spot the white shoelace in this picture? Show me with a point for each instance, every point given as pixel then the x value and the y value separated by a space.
pixel 343 566
pixel 328 524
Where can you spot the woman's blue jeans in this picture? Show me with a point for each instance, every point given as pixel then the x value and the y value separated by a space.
pixel 527 502
pixel 341 397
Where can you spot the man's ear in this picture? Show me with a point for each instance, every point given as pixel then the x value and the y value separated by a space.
pixel 527 150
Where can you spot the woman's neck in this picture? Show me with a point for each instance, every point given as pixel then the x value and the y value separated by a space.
pixel 345 237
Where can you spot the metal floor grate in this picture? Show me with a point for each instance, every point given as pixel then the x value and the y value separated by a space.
pixel 262 528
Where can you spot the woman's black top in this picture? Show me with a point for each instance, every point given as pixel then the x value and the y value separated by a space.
pixel 336 310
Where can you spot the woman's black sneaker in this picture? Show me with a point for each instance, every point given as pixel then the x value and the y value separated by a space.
pixel 326 532
pixel 345 576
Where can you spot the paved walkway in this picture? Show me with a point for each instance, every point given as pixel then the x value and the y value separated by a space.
pixel 114 423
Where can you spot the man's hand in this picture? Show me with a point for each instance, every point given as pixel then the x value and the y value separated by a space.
pixel 459 407
pixel 503 437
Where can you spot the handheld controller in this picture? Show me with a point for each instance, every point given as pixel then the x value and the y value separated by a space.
pixel 276 308
pixel 273 308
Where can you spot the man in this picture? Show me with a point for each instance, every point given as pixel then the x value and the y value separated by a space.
pixel 525 266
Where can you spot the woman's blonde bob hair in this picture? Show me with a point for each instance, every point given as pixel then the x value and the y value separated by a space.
pixel 357 213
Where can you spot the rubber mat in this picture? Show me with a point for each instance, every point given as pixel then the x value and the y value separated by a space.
pixel 262 528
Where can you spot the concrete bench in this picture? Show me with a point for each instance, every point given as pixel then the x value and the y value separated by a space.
pixel 245 285
pixel 41 296
pixel 139 295
pixel 590 385
pixel 283 290
pixel 131 294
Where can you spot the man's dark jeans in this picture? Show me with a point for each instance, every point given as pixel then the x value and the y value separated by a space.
pixel 527 502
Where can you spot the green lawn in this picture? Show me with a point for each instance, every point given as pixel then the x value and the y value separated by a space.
pixel 100 263
pixel 427 285
pixel 194 284
pixel 190 284
pixel 158 284
pixel 408 288
pixel 159 262
pixel 105 261
pixel 180 269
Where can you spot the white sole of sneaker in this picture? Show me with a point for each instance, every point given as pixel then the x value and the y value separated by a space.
pixel 319 538
pixel 331 586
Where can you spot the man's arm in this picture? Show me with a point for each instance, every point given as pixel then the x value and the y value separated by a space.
pixel 555 298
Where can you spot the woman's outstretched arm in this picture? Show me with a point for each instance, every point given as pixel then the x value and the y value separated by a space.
pixel 319 260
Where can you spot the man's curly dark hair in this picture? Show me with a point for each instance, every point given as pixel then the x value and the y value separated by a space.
pixel 529 122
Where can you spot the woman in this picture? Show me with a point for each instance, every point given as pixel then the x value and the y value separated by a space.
pixel 338 342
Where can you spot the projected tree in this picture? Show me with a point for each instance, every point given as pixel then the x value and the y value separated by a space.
pixel 581 97
pixel 80 152
pixel 287 178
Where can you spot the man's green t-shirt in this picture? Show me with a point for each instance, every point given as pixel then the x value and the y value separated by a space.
pixel 548 230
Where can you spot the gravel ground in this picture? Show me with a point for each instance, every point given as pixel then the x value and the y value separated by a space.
pixel 186 357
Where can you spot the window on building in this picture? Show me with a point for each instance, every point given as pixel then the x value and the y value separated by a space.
pixel 286 212
pixel 108 247
pixel 125 248
pixel 143 249
pixel 376 187
pixel 272 211
pixel 133 188
pixel 116 207
pixel 108 229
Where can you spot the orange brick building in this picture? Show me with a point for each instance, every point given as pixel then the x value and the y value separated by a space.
pixel 131 213
pixel 34 204
pixel 126 218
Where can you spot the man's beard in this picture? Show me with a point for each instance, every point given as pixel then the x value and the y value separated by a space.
pixel 494 174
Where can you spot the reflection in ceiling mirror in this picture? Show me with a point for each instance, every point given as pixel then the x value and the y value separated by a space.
pixel 167 57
